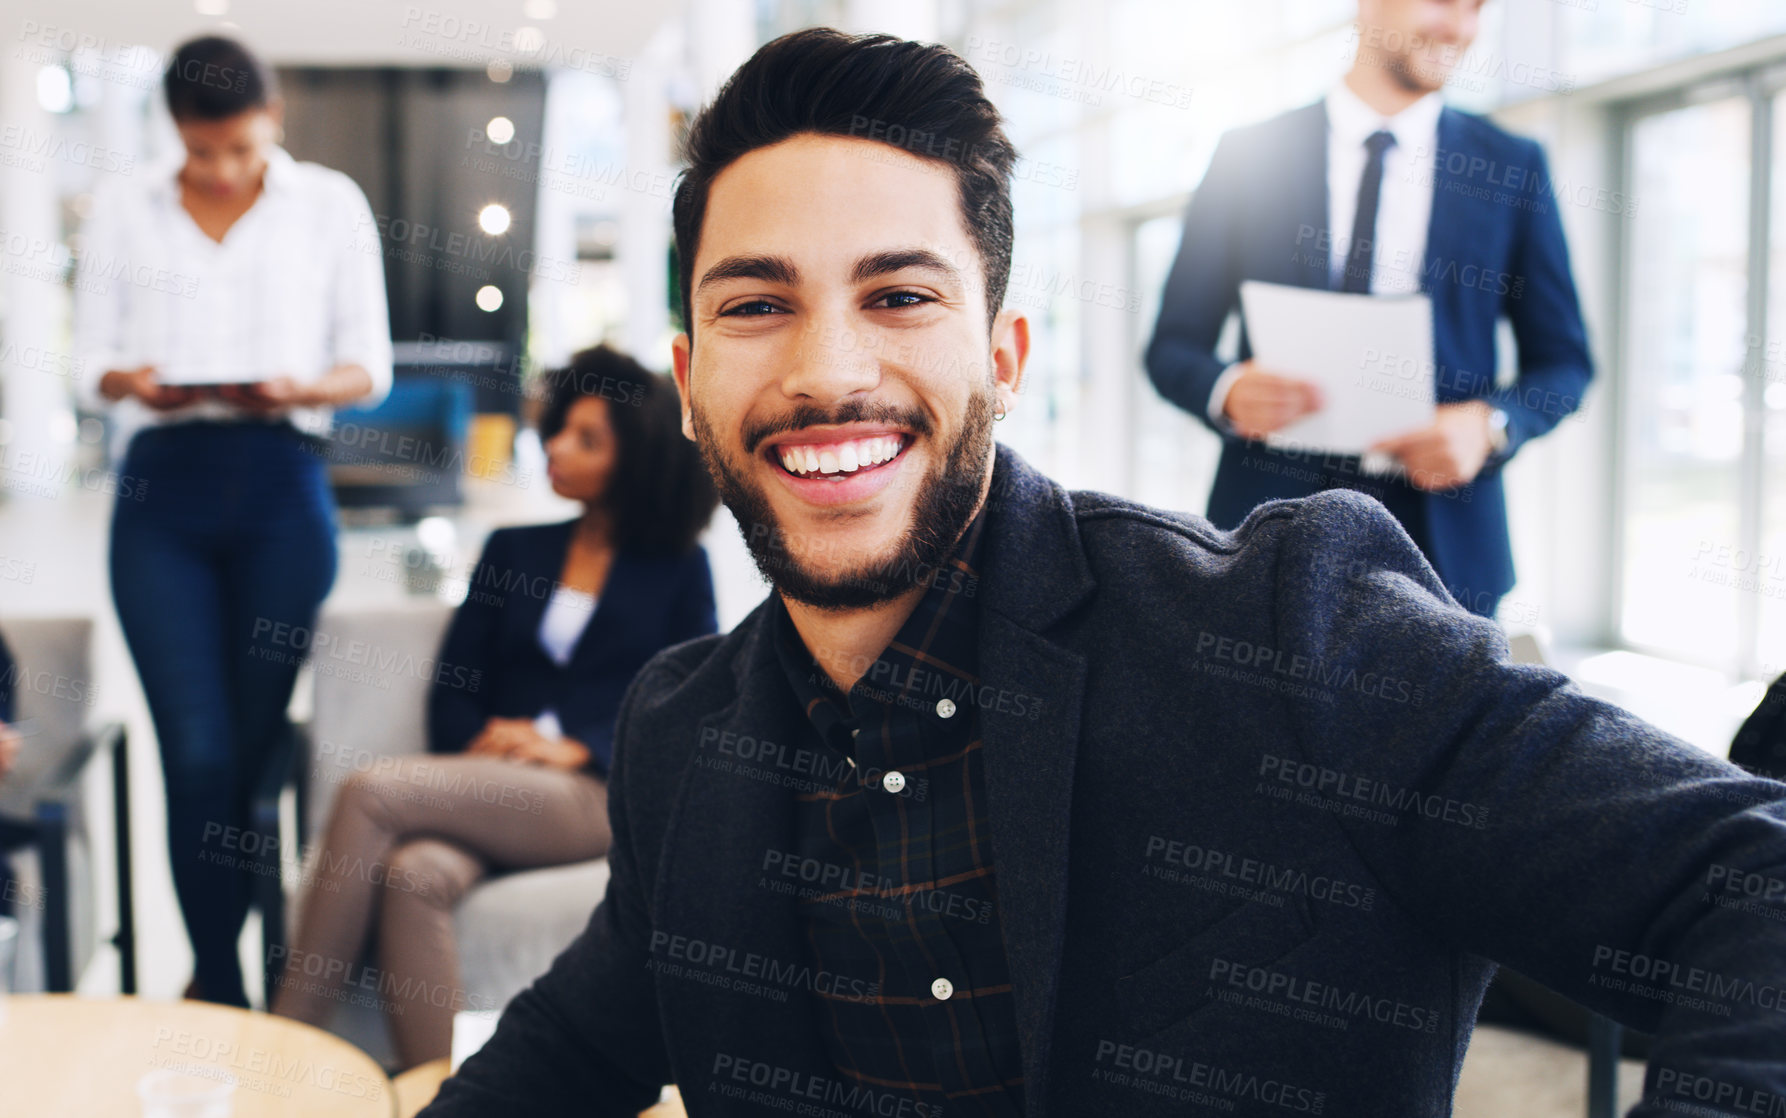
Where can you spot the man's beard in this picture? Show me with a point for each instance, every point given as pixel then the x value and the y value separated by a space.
pixel 945 505
pixel 1416 76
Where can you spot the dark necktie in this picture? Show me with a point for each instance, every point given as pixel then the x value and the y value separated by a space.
pixel 1357 276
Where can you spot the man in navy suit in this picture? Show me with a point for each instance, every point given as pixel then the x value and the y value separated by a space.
pixel 1017 801
pixel 1380 188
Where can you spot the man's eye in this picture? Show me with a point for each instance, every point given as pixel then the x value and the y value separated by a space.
pixel 742 310
pixel 915 298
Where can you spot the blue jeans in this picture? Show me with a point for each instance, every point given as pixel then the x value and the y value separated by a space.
pixel 220 558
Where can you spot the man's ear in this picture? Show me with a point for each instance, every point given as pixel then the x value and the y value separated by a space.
pixel 680 355
pixel 1010 353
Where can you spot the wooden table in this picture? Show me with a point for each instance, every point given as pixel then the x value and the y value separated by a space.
pixel 77 1057
pixel 417 1087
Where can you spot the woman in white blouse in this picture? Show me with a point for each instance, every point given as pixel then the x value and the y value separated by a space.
pixel 232 297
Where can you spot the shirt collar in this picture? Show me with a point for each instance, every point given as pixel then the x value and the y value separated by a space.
pixel 1415 128
pixel 280 176
pixel 951 594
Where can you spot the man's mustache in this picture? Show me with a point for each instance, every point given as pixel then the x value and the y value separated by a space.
pixel 851 411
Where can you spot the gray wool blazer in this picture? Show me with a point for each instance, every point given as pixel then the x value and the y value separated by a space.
pixel 1267 808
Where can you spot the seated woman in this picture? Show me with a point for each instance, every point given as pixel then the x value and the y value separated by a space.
pixel 557 620
pixel 9 754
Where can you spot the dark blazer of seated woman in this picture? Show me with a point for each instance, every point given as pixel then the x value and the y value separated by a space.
pixel 493 665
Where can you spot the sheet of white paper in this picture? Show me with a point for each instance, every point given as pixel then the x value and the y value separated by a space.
pixel 1372 355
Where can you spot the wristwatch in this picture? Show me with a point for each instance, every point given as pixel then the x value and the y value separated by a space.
pixel 1497 431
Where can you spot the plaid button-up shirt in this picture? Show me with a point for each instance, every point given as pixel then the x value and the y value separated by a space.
pixel 904 831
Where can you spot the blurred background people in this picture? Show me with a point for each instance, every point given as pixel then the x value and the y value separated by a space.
pixel 1380 188
pixel 228 534
pixel 11 744
pixel 556 621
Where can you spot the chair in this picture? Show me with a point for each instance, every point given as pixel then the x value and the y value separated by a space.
pixel 283 770
pixel 47 798
pixel 510 926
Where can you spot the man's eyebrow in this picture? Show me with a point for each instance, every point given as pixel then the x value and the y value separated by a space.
pixel 781 270
pixel 897 260
pixel 772 269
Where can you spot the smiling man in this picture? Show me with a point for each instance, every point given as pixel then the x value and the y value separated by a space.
pixel 1015 801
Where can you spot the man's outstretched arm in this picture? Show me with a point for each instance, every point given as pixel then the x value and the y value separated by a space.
pixel 584 1038
pixel 1613 862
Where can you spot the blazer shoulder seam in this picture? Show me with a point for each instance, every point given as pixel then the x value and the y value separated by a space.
pixel 1226 543
pixel 1485 129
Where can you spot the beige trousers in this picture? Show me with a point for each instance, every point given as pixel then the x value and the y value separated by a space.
pixel 400 850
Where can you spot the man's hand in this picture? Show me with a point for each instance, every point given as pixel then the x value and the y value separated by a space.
pixel 142 383
pixel 1259 402
pixel 10 744
pixel 1448 454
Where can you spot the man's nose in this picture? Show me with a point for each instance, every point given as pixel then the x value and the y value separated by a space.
pixel 832 358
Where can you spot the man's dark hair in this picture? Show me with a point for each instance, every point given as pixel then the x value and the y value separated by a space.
pixel 922 98
pixel 214 78
pixel 659 495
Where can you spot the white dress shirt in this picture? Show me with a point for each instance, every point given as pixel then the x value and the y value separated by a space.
pixel 295 288
pixel 1404 204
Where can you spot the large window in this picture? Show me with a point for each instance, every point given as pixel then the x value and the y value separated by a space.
pixel 1704 543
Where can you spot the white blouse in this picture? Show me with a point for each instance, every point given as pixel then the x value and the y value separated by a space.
pixel 561 627
pixel 295 289
pixel 563 622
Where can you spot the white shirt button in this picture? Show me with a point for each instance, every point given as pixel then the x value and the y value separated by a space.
pixel 893 781
pixel 943 989
pixel 945 708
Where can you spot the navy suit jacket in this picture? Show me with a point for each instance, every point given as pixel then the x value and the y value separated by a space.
pixel 1264 804
pixel 648 604
pixel 1494 249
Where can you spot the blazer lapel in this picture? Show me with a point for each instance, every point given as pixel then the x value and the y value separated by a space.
pixel 732 812
pixel 1450 193
pixel 535 570
pixel 1308 149
pixel 1029 791
pixel 1035 574
pixel 619 592
pixel 1455 211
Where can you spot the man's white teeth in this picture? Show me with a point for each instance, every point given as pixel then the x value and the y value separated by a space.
pixel 840 458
